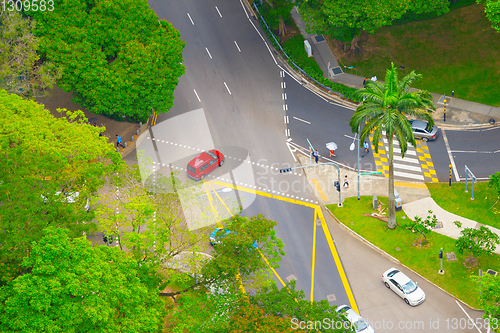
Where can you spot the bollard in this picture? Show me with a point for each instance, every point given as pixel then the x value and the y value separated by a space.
pixel 137 131
pixel 375 202
pixel 125 144
pixel 140 124
pixel 132 138
pixel 444 110
pixel 450 178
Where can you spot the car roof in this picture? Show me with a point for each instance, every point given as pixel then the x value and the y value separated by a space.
pixel 350 314
pixel 400 278
pixel 420 124
pixel 202 158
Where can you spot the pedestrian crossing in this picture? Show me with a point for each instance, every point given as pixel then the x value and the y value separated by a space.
pixel 415 166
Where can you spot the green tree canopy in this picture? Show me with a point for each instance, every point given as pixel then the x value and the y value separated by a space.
pixel 384 110
pixel 40 156
pixel 489 297
pixel 72 286
pixel 477 241
pixel 118 58
pixel 492 11
pixel 344 20
pixel 21 70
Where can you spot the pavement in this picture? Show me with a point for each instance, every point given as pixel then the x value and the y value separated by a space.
pixel 57 98
pixel 460 114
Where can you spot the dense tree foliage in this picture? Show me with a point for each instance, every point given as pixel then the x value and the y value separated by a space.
pixel 21 70
pixel 118 58
pixel 72 286
pixel 489 297
pixel 477 241
pixel 492 11
pixel 42 156
pixel 384 110
pixel 344 20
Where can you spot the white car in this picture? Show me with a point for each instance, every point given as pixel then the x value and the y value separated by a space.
pixel 358 324
pixel 403 286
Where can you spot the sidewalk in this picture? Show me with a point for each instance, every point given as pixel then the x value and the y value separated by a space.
pixel 459 113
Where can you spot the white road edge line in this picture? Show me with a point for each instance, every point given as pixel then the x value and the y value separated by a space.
pixel 199 100
pixel 208 53
pixel 190 18
pixel 452 161
pixel 244 9
pixel 227 88
pixel 218 11
pixel 474 151
pixel 468 316
pixel 237 46
pixel 305 121
pixel 290 148
pixel 257 31
pixel 272 55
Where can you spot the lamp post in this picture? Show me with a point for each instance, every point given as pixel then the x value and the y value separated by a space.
pixel 352 148
pixel 312 165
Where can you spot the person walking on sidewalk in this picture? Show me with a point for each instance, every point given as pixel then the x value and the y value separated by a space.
pixel 366 151
pixel 119 141
pixel 332 153
pixel 316 155
pixel 346 182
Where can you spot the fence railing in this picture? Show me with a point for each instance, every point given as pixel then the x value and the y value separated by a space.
pixel 271 34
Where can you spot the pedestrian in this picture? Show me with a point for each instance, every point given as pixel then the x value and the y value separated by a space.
pixel 374 78
pixel 119 141
pixel 366 151
pixel 346 182
pixel 316 155
pixel 364 82
pixel 332 152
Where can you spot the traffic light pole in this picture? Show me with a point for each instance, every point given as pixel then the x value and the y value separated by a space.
pixel 312 165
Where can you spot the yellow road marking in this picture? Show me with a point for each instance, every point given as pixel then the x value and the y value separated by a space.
pixel 313 255
pixel 402 184
pixel 328 236
pixel 210 200
pixel 336 258
pixel 272 269
pixel 222 201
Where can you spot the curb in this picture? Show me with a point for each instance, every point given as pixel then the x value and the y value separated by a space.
pixel 376 248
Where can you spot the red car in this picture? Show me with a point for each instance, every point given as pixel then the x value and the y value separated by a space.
pixel 203 164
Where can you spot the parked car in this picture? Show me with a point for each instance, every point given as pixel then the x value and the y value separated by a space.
pixel 204 163
pixel 422 130
pixel 216 236
pixel 357 323
pixel 403 286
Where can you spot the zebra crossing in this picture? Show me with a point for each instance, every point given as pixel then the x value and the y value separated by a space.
pixel 415 166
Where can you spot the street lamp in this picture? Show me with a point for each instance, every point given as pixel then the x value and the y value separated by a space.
pixel 312 165
pixel 352 148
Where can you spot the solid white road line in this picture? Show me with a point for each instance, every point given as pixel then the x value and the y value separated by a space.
pixel 208 53
pixel 468 316
pixel 257 31
pixel 199 100
pixel 237 46
pixel 270 52
pixel 408 175
pixel 302 120
pixel 244 9
pixel 218 11
pixel 227 88
pixel 190 18
pixel 474 151
pixel 452 161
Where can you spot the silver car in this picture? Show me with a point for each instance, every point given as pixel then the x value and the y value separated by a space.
pixel 422 130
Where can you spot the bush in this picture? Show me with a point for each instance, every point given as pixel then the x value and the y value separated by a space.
pixel 411 16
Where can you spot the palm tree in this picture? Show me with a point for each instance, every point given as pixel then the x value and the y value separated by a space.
pixel 384 108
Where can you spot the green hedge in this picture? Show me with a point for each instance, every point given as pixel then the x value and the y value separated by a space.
pixel 410 16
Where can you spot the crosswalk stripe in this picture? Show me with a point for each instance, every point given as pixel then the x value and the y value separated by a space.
pixel 408 175
pixel 407 167
pixel 406 159
pixel 408 152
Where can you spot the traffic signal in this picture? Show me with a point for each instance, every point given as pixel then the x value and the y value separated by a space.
pixel 337 185
pixel 441 254
pixel 285 170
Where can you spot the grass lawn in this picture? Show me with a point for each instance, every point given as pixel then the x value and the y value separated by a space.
pixel 458 51
pixel 455 200
pixel 424 259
